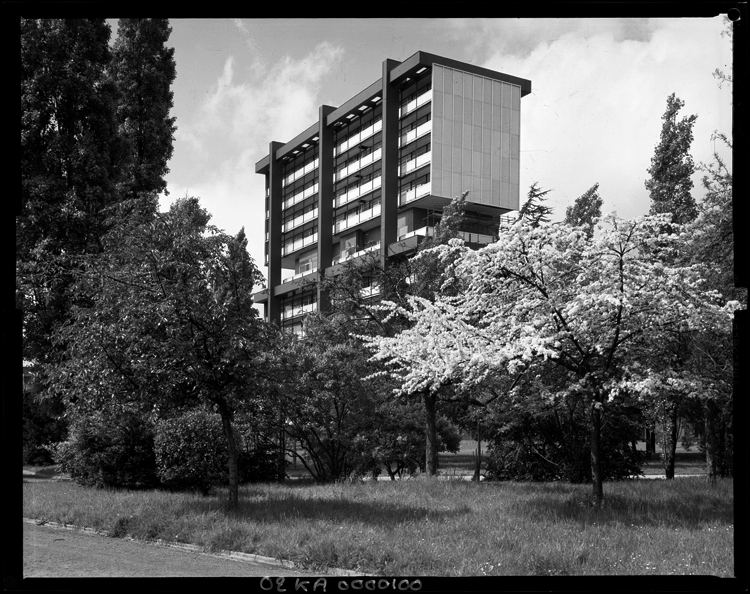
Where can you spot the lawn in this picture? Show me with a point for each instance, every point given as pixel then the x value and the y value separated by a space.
pixel 425 527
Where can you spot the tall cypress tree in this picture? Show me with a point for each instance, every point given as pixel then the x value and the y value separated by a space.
pixel 143 70
pixel 669 184
pixel 70 154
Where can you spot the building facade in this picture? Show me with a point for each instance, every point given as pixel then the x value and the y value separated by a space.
pixel 374 174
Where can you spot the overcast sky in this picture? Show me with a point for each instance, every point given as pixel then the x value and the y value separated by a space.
pixel 599 89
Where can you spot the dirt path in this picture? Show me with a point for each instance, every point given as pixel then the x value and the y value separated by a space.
pixel 56 552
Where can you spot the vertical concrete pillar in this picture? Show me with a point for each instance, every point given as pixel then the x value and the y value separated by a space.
pixel 389 180
pixel 325 199
pixel 274 232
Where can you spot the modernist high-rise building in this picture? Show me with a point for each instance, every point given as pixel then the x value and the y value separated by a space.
pixel 376 172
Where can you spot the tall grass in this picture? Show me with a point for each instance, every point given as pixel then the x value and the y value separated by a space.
pixel 428 527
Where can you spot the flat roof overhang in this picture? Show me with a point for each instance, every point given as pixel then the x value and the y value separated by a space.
pixel 431 201
pixel 409 67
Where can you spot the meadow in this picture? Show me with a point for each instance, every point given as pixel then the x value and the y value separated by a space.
pixel 423 527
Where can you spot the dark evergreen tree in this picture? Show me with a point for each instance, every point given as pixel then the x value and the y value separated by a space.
pixel 586 210
pixel 143 69
pixel 669 184
pixel 70 154
pixel 534 208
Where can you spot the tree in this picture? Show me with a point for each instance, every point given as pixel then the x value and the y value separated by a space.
pixel 534 210
pixel 143 69
pixel 672 166
pixel 594 306
pixel 70 154
pixel 586 210
pixel 171 323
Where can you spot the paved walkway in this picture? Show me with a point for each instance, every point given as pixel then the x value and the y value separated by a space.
pixel 59 552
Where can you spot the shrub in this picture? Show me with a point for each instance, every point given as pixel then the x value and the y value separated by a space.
pixel 43 424
pixel 107 449
pixel 191 451
pixel 258 466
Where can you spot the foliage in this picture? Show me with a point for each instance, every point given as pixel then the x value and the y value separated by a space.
pixel 327 402
pixel 670 182
pixel 44 425
pixel 70 153
pixel 191 453
pixel 394 438
pixel 592 305
pixel 533 210
pixel 143 70
pixel 586 210
pixel 171 322
pixel 111 448
pixel 540 440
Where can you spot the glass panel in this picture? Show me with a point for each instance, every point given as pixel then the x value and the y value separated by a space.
pixel 516 102
pixel 457 127
pixel 468 86
pixel 477 120
pixel 466 161
pixel 458 109
pixel 514 146
pixel 514 171
pixel 468 110
pixel 447 166
pixel 448 107
pixel 458 83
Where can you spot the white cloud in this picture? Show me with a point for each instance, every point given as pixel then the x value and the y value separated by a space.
pixel 248 106
pixel 594 114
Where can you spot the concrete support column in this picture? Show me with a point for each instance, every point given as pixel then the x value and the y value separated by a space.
pixel 325 199
pixel 389 180
pixel 274 232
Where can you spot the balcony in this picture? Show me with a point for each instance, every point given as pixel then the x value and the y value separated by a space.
pixel 354 220
pixel 298 244
pixel 298 310
pixel 348 256
pixel 357 191
pixel 355 139
pixel 300 220
pixel 299 275
pixel 425 97
pixel 417 132
pixel 300 196
pixel 413 164
pixel 358 164
pixel 371 291
pixel 301 172
pixel 414 193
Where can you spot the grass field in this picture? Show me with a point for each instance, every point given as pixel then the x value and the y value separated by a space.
pixel 428 527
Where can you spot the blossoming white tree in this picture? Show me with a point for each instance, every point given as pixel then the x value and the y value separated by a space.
pixel 592 304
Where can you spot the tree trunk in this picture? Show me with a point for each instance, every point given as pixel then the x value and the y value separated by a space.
pixel 281 460
pixel 670 444
pixel 234 481
pixel 596 467
pixel 710 433
pixel 431 453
